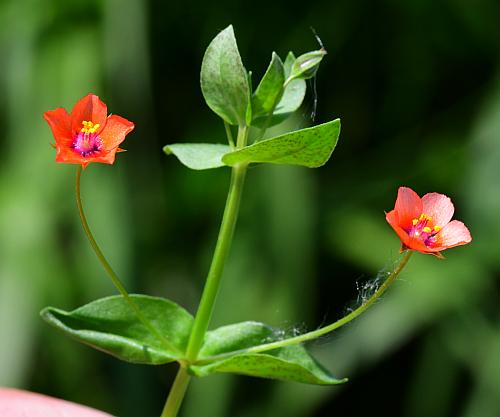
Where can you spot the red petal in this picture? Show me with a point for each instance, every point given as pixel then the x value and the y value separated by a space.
pixel 439 207
pixel 416 244
pixel 408 206
pixel 455 233
pixel 66 155
pixel 104 157
pixel 90 108
pixel 393 219
pixel 60 122
pixel 115 131
pixel 407 241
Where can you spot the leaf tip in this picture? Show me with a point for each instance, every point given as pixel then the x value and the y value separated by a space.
pixel 46 313
pixel 228 29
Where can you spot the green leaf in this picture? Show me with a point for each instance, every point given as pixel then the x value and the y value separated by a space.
pixel 269 90
pixel 198 155
pixel 290 59
pixel 309 147
pixel 291 100
pixel 110 325
pixel 224 80
pixel 291 363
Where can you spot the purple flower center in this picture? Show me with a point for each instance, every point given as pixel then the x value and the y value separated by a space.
pixel 87 144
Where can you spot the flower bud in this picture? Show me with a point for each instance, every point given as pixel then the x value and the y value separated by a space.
pixel 306 65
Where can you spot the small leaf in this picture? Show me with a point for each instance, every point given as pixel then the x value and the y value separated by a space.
pixel 198 155
pixel 309 147
pixel 291 100
pixel 291 363
pixel 110 325
pixel 270 88
pixel 287 66
pixel 224 80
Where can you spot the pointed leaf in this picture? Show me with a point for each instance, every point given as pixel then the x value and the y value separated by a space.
pixel 224 80
pixel 287 65
pixel 291 363
pixel 110 325
pixel 198 155
pixel 309 147
pixel 291 100
pixel 270 88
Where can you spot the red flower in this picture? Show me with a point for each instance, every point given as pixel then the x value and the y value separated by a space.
pixel 423 224
pixel 88 134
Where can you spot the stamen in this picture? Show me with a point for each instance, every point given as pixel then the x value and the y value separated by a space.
pixel 424 217
pixel 89 127
pixel 427 229
pixel 437 228
pixel 414 222
pixel 87 142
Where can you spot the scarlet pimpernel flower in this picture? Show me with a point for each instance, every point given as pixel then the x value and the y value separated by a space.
pixel 88 134
pixel 424 224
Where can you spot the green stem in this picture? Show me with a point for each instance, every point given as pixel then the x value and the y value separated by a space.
pixel 211 289
pixel 109 270
pixel 177 393
pixel 207 302
pixel 229 134
pixel 323 330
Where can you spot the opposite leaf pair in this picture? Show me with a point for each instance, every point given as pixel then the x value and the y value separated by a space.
pixel 111 326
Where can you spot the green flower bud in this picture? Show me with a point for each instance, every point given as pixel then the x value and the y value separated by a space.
pixel 306 65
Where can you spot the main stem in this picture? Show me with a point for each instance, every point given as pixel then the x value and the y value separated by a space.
pixel 176 394
pixel 207 302
pixel 109 270
pixel 327 329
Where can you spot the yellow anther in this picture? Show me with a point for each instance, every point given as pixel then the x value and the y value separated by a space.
pixel 427 229
pixel 89 127
pixel 414 222
pixel 437 228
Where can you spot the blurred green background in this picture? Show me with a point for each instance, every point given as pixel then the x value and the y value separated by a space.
pixel 417 85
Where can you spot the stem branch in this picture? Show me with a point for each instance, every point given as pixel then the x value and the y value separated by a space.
pixel 229 134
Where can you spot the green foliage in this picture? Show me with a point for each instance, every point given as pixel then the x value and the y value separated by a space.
pixel 269 90
pixel 291 99
pixel 198 155
pixel 110 325
pixel 457 154
pixel 291 363
pixel 310 147
pixel 224 80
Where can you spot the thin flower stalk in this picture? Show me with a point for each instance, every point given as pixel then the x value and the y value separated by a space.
pixel 323 330
pixel 111 273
